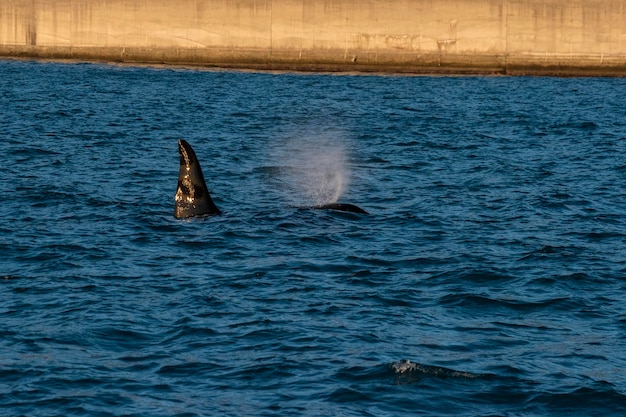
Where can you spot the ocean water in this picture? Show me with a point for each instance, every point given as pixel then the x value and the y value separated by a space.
pixel 488 278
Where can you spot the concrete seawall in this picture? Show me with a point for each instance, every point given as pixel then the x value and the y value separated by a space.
pixel 422 36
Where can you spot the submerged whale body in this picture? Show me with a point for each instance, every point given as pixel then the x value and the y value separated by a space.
pixel 192 195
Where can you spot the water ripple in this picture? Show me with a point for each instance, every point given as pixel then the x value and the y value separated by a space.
pixel 486 279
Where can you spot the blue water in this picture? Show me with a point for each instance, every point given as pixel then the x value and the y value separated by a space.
pixel 488 278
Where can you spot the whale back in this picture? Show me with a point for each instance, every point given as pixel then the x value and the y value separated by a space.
pixel 350 208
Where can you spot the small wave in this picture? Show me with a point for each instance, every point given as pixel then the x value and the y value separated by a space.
pixel 410 371
pixel 602 398
pixel 25 154
pixel 603 235
pixel 9 277
pixel 482 303
pixel 406 371
pixel 550 251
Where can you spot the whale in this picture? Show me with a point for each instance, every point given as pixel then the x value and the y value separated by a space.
pixel 350 208
pixel 192 197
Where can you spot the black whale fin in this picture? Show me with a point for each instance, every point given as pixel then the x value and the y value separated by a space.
pixel 192 195
pixel 351 208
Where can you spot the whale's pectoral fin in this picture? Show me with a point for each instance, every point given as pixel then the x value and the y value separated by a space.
pixel 192 195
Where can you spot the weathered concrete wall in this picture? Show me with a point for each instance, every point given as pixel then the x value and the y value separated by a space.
pixel 532 36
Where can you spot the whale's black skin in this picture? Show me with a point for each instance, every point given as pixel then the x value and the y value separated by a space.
pixel 192 195
pixel 351 208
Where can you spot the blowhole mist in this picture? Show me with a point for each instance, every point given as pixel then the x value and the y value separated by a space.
pixel 316 167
